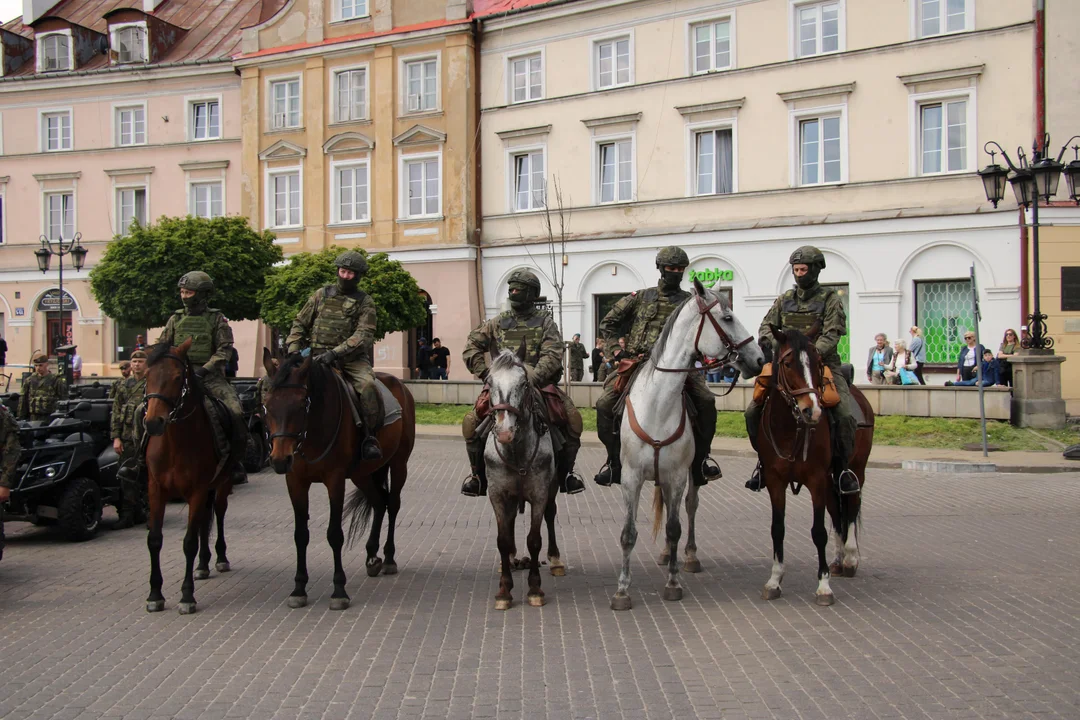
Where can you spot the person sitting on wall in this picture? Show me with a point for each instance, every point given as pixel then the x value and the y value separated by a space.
pixel 965 361
pixel 878 359
pixel 989 372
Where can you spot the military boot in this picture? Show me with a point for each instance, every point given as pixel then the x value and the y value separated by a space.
pixel 756 481
pixel 369 448
pixel 610 474
pixel 476 484
pixel 848 481
pixel 571 483
pixel 128 475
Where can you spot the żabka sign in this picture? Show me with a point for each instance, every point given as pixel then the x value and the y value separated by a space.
pixel 711 276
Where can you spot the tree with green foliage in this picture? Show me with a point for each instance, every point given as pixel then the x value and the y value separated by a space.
pixel 135 281
pixel 394 290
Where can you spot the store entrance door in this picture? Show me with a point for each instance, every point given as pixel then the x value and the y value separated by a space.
pixel 56 333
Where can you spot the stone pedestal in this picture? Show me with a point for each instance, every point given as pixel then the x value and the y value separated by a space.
pixel 1036 395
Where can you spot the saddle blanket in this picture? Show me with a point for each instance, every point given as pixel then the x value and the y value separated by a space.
pixel 391 407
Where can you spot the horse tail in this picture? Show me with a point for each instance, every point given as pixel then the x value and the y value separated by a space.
pixel 658 510
pixel 358 509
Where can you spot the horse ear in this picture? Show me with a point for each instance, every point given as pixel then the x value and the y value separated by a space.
pixel 184 347
pixel 268 362
pixel 494 348
pixel 698 287
pixel 522 351
pixel 778 333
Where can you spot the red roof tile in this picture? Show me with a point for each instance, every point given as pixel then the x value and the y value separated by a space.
pixel 483 8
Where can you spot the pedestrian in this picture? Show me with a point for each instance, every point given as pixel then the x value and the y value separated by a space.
pixel 917 348
pixel 901 360
pixel 41 391
pixel 423 359
pixel 440 360
pixel 965 361
pixel 126 401
pixel 713 372
pixel 140 342
pixel 1008 347
pixel 989 372
pixel 578 353
pixel 597 361
pixel 878 359
pixel 76 367
pixel 3 351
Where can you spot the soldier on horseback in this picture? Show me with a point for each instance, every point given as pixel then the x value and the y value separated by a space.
pixel 640 317
pixel 523 322
pixel 338 324
pixel 211 347
pixel 810 307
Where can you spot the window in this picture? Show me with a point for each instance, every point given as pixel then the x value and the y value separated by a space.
pixel 206 120
pixel 130 44
pixel 612 62
pixel 126 337
pixel 206 200
pixel 713 166
pixel 130 206
pixel 818 28
pixel 529 181
pixel 711 46
pixel 937 17
pixel 616 171
pixel 350 9
pixel 285 104
pixel 819 150
pixel 351 191
pixel 285 200
pixel 60 215
pixel 131 125
pixel 1070 288
pixel 350 95
pixel 56 131
pixel 55 53
pixel 422 191
pixel 943 310
pixel 525 78
pixel 421 85
pixel 943 137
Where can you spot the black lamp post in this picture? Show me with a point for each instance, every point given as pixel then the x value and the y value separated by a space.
pixel 71 247
pixel 1031 182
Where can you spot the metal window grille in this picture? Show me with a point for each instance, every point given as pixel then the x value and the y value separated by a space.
pixel 844 346
pixel 943 311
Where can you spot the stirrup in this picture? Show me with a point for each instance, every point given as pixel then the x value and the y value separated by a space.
pixel 854 478
pixel 472 487
pixel 711 469
pixel 572 484
pixel 756 481
pixel 605 479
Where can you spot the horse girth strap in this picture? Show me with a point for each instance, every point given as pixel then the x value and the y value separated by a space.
pixel 656 445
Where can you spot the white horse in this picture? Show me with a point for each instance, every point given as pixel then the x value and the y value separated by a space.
pixel 657 443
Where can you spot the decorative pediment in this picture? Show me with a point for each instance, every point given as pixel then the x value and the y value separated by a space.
pixel 282 150
pixel 348 142
pixel 419 135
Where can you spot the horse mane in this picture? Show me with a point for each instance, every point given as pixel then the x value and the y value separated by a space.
pixel 157 352
pixel 286 368
pixel 665 333
pixel 505 360
pixel 319 375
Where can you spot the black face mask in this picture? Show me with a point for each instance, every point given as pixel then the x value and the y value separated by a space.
pixel 521 300
pixel 195 304
pixel 347 286
pixel 809 280
pixel 670 280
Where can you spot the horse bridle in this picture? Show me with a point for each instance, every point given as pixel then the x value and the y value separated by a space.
pixel 520 413
pixel 174 405
pixel 704 311
pixel 804 431
pixel 301 436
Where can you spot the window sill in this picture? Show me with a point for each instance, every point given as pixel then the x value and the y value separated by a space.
pixel 350 224
pixel 358 18
pixel 420 114
pixel 337 123
pixel 817 55
pixel 530 211
pixel 834 183
pixel 526 102
pixel 202 140
pixel 600 88
pixel 130 145
pixel 285 228
pixel 711 71
pixel 614 202
pixel 420 219
pixel 56 150
pixel 946 173
pixel 285 131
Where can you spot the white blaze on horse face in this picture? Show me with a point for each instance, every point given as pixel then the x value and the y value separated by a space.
pixel 816 412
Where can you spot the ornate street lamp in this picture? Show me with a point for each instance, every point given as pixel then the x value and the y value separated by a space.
pixel 71 247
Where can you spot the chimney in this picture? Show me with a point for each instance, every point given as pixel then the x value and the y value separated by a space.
pixel 34 9
pixel 148 6
pixel 458 9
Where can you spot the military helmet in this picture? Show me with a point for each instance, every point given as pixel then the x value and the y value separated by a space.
pixel 674 256
pixel 352 260
pixel 196 280
pixel 808 255
pixel 527 278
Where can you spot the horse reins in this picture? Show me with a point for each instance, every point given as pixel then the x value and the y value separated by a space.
pixel 656 445
pixel 301 437
pixel 803 431
pixel 174 405
pixel 507 407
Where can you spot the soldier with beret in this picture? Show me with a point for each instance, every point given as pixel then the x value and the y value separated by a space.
pixel 127 400
pixel 41 391
pixel 125 372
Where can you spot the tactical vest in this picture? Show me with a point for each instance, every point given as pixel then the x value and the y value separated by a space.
pixel 135 394
pixel 44 394
pixel 201 331
pixel 652 312
pixel 511 330
pixel 802 315
pixel 335 318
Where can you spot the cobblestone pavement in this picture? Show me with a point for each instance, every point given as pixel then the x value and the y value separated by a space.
pixel 965 606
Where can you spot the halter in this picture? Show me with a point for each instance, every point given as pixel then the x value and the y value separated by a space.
pixel 731 346
pixel 175 405
pixel 804 432
pixel 301 436
pixel 519 413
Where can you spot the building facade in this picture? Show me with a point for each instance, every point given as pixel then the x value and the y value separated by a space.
pixel 743 129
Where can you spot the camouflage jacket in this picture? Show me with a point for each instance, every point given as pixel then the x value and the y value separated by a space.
pixel 543 344
pixel 639 317
pixel 578 356
pixel 9 447
pixel 802 310
pixel 129 396
pixel 221 337
pixel 40 395
pixel 331 320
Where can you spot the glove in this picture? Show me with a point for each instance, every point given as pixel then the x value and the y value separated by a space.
pixel 327 358
pixel 200 372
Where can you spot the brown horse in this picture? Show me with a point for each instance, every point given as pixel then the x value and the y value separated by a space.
pixel 182 461
pixel 313 439
pixel 796 449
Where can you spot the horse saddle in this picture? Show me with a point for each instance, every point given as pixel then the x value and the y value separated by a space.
pixel 389 407
pixel 830 398
pixel 627 374
pixel 221 422
pixel 553 412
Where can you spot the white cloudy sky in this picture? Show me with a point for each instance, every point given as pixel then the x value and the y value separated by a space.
pixel 10 9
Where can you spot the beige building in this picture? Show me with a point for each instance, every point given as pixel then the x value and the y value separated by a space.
pixel 359 123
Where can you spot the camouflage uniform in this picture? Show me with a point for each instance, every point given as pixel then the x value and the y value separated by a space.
pixel 128 399
pixel 640 317
pixel 543 356
pixel 338 324
pixel 40 394
pixel 115 387
pixel 801 308
pixel 578 356
pixel 9 459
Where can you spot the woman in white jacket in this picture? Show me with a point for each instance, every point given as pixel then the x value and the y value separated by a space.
pixel 901 359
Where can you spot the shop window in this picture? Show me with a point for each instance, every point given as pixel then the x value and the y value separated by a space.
pixel 943 309
pixel 126 338
pixel 1070 289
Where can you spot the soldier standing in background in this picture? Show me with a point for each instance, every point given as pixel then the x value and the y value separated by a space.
pixel 578 355
pixel 41 391
pixel 126 402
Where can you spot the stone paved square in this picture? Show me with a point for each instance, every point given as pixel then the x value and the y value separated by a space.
pixel 966 606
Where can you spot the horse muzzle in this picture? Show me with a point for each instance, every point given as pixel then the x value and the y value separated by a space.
pixel 155 426
pixel 504 437
pixel 281 465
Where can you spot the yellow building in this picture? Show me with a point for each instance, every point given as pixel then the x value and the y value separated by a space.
pixel 359 119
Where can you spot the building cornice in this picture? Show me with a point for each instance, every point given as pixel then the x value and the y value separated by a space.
pixel 45 177
pixel 115 74
pixel 120 150
pixel 686 110
pixel 129 171
pixel 524 132
pixel 204 164
pixel 612 120
pixel 793 95
pixel 935 75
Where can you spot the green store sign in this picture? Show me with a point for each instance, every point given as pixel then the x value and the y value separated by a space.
pixel 711 276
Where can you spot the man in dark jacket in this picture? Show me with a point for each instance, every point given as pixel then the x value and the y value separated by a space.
pixel 423 359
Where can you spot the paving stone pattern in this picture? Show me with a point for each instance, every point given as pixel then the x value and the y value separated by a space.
pixel 965 606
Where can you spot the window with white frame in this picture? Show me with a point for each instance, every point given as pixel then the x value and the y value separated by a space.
pixel 206 200
pixel 130 44
pixel 819 150
pixel 60 215
pixel 817 27
pixel 285 104
pixel 350 95
pixel 943 136
pixel 206 120
pixel 350 9
pixel 938 17
pixel 423 188
pixel 530 185
pixel 526 78
pixel 711 45
pixel 612 62
pixel 713 162
pixel 56 131
pixel 130 206
pixel 285 199
pixel 616 171
pixel 351 193
pixel 54 52
pixel 421 85
pixel 131 125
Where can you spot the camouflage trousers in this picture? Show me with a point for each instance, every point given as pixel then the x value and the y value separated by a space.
pixel 361 376
pixel 217 386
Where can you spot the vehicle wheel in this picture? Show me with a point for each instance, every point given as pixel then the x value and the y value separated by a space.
pixel 255 454
pixel 80 509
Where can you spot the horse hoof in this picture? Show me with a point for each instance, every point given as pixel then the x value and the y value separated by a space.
pixel 536 601
pixel 339 603
pixel 836 569
pixel 186 608
pixel 849 571
pixel 621 602
pixel 374 567
pixel 558 570
pixel 155 605
pixel 503 603
pixel 770 593
pixel 663 559
pixel 825 600
pixel 389 568
pixel 296 601
pixel 201 574
pixel 223 567
pixel 673 593
pixel 692 566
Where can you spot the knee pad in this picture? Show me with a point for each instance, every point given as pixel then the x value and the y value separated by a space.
pixel 575 423
pixel 468 425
